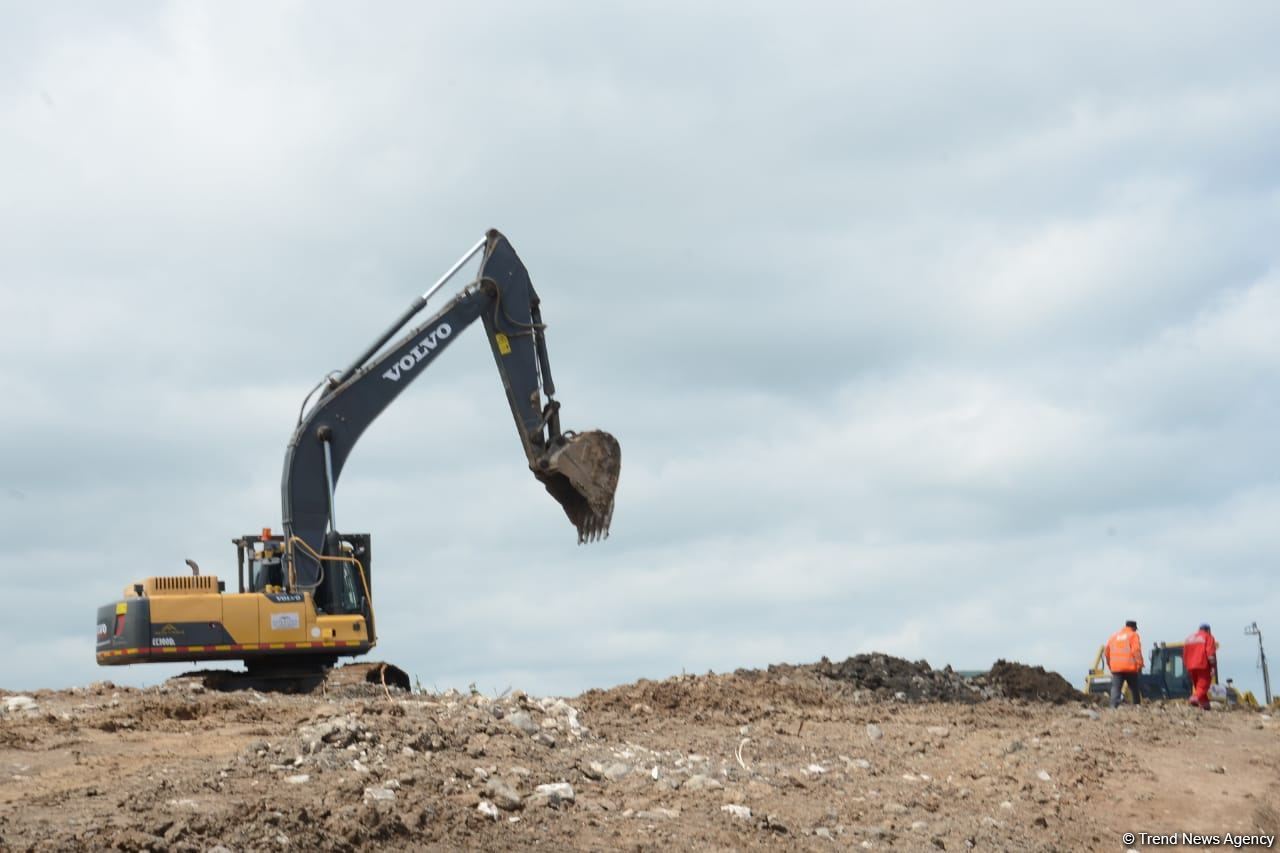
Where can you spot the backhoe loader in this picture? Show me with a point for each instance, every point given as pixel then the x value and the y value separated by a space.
pixel 303 595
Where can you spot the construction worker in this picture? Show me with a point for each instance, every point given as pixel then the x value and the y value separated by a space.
pixel 1200 656
pixel 1124 658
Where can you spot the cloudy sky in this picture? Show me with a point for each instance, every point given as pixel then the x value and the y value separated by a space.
pixel 946 331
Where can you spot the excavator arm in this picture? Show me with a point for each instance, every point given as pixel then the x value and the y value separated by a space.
pixel 580 470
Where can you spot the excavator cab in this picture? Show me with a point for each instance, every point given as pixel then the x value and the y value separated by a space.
pixel 344 582
pixel 260 560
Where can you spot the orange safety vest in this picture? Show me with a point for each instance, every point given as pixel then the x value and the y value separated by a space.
pixel 1124 651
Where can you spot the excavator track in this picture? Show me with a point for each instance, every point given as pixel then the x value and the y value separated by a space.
pixel 302 676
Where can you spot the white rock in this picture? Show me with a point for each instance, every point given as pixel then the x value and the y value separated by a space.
pixel 504 796
pixel 658 814
pixel 919 825
pixel 21 705
pixel 556 792
pixel 700 782
pixel 561 708
pixel 1043 775
pixel 524 723
pixel 300 779
pixel 874 732
pixel 816 769
pixel 1006 805
pixel 939 731
pixel 380 795
pixel 615 771
pixel 488 809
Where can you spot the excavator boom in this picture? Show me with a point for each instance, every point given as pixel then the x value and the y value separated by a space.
pixel 580 470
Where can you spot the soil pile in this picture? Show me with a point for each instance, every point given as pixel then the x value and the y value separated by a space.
pixel 888 677
pixel 1033 683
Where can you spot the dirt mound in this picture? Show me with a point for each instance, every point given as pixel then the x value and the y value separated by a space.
pixel 821 756
pixel 737 697
pixel 1033 683
pixel 889 677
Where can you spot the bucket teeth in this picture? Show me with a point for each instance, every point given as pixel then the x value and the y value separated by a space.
pixel 582 475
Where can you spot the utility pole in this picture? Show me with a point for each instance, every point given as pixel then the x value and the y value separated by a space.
pixel 1253 630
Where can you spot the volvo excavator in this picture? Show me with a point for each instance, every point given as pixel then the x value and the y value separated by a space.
pixel 303 595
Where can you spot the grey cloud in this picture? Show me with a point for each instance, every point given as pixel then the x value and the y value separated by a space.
pixel 921 328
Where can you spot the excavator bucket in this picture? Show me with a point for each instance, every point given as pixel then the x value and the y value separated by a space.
pixel 582 475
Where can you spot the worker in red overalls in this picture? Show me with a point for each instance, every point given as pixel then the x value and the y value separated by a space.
pixel 1200 656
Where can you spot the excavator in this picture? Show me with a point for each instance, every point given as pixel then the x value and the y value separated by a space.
pixel 303 595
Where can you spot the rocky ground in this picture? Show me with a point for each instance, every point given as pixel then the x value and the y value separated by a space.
pixel 869 753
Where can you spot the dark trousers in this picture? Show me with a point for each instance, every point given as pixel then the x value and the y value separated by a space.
pixel 1118 681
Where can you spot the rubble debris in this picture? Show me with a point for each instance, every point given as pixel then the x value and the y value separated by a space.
pixel 387 769
pixel 21 705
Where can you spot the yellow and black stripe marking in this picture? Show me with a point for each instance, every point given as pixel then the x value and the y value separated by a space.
pixel 223 649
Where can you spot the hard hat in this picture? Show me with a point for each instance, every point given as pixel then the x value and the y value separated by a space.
pixel 1204 626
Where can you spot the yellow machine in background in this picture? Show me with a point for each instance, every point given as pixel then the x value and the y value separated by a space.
pixel 1165 678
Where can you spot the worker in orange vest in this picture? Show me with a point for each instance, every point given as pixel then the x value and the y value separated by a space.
pixel 1124 658
pixel 1200 656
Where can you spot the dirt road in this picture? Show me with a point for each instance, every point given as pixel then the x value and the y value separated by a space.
pixel 792 758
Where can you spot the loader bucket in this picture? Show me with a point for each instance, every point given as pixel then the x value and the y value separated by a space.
pixel 582 475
